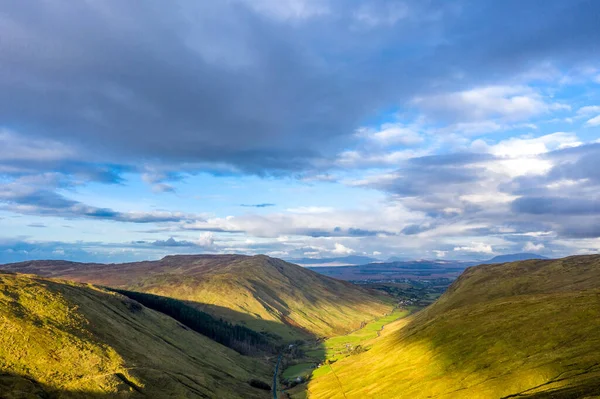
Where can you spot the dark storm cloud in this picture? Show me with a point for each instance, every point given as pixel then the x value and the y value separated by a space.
pixel 431 175
pixel 556 206
pixel 217 83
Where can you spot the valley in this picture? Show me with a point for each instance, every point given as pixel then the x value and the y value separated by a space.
pixel 217 326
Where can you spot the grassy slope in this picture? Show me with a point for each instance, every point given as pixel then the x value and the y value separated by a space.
pixel 530 327
pixel 263 293
pixel 60 339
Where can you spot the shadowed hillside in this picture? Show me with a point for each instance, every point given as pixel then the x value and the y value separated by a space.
pixel 264 293
pixel 527 329
pixel 69 340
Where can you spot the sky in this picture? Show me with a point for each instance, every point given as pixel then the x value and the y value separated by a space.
pixel 299 128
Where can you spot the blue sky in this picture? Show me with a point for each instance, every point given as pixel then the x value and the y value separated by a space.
pixel 299 128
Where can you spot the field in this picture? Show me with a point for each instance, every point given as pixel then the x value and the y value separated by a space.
pixel 344 345
pixel 69 340
pixel 527 328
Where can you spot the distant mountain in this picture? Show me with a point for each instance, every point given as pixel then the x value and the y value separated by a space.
pixel 415 269
pixel 341 261
pixel 263 293
pixel 397 259
pixel 514 257
pixel 528 329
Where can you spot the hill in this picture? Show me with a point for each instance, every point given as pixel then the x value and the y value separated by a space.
pixel 263 293
pixel 514 258
pixel 69 340
pixel 528 329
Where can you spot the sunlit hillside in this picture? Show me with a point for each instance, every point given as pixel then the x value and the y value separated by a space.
pixel 265 294
pixel 522 329
pixel 69 340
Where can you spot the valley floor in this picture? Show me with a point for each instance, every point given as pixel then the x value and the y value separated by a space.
pixel 312 359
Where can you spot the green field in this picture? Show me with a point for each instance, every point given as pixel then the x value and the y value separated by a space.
pixel 530 329
pixel 342 346
pixel 336 348
pixel 298 370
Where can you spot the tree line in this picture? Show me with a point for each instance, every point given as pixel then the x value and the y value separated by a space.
pixel 239 338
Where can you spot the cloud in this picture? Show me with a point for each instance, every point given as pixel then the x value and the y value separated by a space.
pixel 391 134
pixel 440 254
pixel 342 250
pixel 285 10
pixel 29 196
pixel 476 247
pixel 252 87
pixel 510 103
pixel 373 15
pixel 262 205
pixel 588 109
pixel 516 147
pixel 595 121
pixel 531 247
pixel 556 206
pixel 206 240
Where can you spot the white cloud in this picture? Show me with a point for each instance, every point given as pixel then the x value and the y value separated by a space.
pixel 531 247
pixel 311 209
pixel 206 240
pixel 518 147
pixel 476 247
pixel 594 121
pixel 342 249
pixel 510 103
pixel 391 134
pixel 440 254
pixel 589 109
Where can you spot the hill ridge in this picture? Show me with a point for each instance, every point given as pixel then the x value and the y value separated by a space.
pixel 302 302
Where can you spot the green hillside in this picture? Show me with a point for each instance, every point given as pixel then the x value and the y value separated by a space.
pixel 70 340
pixel 263 293
pixel 527 329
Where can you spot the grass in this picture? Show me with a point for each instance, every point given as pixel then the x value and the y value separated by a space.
pixel 262 293
pixel 60 339
pixel 336 348
pixel 528 328
pixel 342 346
pixel 298 370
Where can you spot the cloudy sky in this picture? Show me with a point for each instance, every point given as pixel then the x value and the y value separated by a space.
pixel 299 128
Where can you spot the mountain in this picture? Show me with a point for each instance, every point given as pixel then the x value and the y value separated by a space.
pixel 416 269
pixel 341 261
pixel 396 259
pixel 514 258
pixel 262 293
pixel 69 340
pixel 527 329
